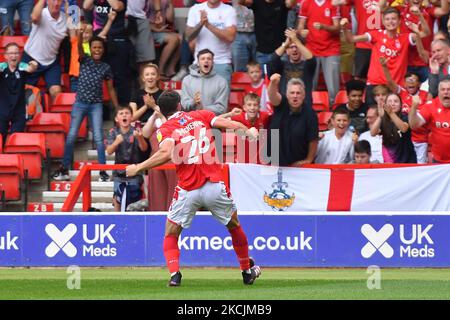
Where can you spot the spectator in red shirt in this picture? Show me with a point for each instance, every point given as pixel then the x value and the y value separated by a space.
pixel 251 116
pixel 435 114
pixel 411 12
pixel 258 85
pixel 319 24
pixel 387 43
pixel 368 18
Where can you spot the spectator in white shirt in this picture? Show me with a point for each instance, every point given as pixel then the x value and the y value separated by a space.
pixel 48 30
pixel 376 141
pixel 213 25
pixel 336 145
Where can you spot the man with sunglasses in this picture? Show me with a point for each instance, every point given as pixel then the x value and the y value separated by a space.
pixel 298 62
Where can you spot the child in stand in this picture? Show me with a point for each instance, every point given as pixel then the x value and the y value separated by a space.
pixel 336 145
pixel 363 153
pixel 251 116
pixel 258 85
pixel 87 32
pixel 89 102
pixel 129 146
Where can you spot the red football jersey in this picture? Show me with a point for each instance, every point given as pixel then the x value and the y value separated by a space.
pixel 438 120
pixel 428 13
pixel 368 16
pixel 419 134
pixel 195 154
pixel 261 91
pixel 321 43
pixel 396 49
pixel 261 121
pixel 252 148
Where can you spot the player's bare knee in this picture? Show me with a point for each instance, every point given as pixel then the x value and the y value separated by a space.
pixel 54 90
pixel 234 222
pixel 172 229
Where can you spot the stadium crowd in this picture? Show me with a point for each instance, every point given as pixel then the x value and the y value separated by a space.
pixel 392 58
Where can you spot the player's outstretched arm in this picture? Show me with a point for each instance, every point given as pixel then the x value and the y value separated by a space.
pixel 224 123
pixel 163 155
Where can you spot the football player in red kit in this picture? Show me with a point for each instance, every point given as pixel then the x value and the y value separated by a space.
pixel 186 140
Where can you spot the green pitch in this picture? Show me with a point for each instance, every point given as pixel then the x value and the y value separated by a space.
pixel 224 284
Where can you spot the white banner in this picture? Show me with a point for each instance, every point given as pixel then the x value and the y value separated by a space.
pixel 423 188
pixel 263 188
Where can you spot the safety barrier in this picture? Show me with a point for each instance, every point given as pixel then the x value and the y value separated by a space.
pixel 82 182
pixel 341 239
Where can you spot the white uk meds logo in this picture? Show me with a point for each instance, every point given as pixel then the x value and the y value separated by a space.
pixel 377 241
pixel 61 240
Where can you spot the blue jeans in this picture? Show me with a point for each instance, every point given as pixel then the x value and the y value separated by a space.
pixel 8 9
pixel 243 50
pixel 224 70
pixel 263 58
pixel 186 57
pixel 95 114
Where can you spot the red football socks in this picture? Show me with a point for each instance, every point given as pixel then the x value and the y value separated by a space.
pixel 172 253
pixel 240 245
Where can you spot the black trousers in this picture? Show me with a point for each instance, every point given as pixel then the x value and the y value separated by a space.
pixel 16 122
pixel 118 57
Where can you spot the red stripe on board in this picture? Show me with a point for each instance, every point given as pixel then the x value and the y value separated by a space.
pixel 341 190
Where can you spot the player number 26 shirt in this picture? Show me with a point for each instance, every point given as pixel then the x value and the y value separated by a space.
pixel 194 156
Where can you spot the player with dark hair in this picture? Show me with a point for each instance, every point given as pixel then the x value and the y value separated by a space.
pixel 185 140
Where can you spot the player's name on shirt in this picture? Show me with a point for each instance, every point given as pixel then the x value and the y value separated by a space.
pixel 189 127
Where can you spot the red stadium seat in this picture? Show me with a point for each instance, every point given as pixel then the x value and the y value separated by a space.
pixel 32 148
pixel 47 102
pixel 240 81
pixel 323 118
pixel 11 175
pixel 55 126
pixel 65 82
pixel 178 4
pixel 20 40
pixel 106 97
pixel 341 98
pixel 4 40
pixel 320 101
pixel 63 103
pixel 235 100
pixel 240 77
